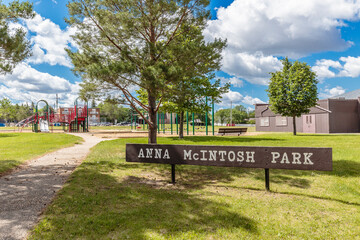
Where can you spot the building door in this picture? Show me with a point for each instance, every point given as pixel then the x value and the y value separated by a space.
pixel 309 123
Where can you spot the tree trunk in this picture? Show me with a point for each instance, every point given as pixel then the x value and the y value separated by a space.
pixel 294 125
pixel 181 125
pixel 152 133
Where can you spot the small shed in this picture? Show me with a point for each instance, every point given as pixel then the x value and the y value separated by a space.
pixel 332 115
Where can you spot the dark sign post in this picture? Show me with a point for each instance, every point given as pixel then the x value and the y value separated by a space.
pixel 232 156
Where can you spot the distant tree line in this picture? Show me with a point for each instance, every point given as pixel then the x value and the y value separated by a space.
pixel 14 112
pixel 240 115
pixel 113 111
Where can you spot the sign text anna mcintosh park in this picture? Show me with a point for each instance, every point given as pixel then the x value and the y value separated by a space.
pixel 293 158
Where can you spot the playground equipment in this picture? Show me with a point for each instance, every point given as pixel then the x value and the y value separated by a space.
pixel 161 121
pixel 74 120
pixel 78 118
pixel 41 121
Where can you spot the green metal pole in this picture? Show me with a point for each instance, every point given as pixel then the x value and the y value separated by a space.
pixel 131 118
pixel 187 122
pixel 158 120
pixel 47 117
pixel 171 122
pixel 36 120
pixel 135 122
pixel 213 117
pixel 177 126
pixel 206 116
pixel 193 123
pixel 164 123
pixel 144 123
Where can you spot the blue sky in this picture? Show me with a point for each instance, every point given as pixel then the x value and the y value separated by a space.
pixel 325 34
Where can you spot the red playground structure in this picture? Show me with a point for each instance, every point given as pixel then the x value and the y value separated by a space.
pixel 75 119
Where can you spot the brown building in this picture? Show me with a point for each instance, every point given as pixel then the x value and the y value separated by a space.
pixel 94 115
pixel 338 115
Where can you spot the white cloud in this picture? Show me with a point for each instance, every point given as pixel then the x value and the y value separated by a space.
pixel 345 67
pixel 235 82
pixel 284 27
pixel 236 98
pixel 322 68
pixel 26 84
pixel 29 79
pixel 13 26
pixel 251 101
pixel 231 96
pixel 336 91
pixel 331 92
pixel 259 30
pixel 351 67
pixel 49 41
pixel 254 68
pixel 22 96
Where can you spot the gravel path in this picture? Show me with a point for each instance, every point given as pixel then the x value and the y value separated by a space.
pixel 25 193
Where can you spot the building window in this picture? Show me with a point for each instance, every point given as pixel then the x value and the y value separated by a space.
pixel 264 122
pixel 308 119
pixel 281 121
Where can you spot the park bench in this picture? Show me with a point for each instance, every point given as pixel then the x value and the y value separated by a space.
pixel 231 131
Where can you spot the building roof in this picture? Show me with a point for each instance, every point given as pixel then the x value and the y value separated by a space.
pixel 349 95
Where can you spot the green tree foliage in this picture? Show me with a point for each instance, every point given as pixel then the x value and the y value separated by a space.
pixel 292 91
pixel 239 115
pixel 197 62
pixel 223 116
pixel 21 112
pixel 11 112
pixel 113 111
pixel 7 110
pixel 134 43
pixel 14 47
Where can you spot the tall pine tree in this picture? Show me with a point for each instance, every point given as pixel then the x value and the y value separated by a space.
pixel 134 44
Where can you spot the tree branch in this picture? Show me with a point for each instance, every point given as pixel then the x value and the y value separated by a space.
pixel 106 35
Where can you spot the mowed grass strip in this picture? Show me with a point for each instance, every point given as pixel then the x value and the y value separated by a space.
pixel 107 198
pixel 16 148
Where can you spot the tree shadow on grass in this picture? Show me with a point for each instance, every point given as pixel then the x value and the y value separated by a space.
pixel 198 177
pixel 98 206
pixel 290 181
pixel 341 168
pixel 6 135
pixel 188 176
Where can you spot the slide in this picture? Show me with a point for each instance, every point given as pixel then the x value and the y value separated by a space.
pixel 25 122
pixel 44 125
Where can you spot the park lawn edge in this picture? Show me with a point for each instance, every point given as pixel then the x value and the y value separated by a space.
pixel 24 163
pixel 316 200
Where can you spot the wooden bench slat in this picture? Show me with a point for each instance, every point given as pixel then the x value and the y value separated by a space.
pixel 223 131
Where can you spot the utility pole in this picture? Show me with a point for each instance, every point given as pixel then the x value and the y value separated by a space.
pixel 230 113
pixel 57 103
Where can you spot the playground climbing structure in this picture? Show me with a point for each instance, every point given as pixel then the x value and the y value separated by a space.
pixel 74 120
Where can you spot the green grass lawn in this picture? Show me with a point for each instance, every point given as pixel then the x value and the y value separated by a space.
pixel 16 148
pixel 107 198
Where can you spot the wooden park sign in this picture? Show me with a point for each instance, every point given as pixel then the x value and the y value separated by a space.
pixel 294 158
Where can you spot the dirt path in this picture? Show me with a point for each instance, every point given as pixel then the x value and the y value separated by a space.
pixel 26 192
